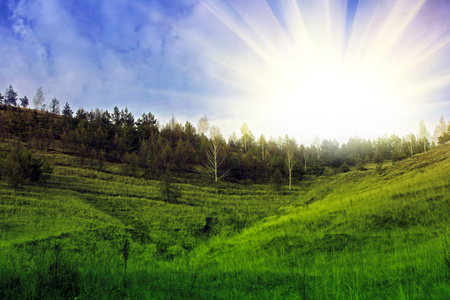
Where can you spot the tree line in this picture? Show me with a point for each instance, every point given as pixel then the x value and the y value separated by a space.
pixel 149 149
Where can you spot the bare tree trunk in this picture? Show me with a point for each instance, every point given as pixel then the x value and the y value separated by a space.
pixel 213 155
pixel 290 165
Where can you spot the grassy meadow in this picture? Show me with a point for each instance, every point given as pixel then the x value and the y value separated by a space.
pixel 88 234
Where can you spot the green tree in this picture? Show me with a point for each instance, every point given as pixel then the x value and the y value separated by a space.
pixel 67 111
pixel 146 125
pixel 169 191
pixel 54 106
pixel 262 144
pixel 378 157
pixel 290 147
pixel 277 180
pixel 10 96
pixel 21 167
pixel 445 137
pixel 215 154
pixel 24 102
pixel 245 135
pixel 345 168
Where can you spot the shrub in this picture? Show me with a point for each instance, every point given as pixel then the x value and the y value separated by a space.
pixel 21 167
pixel 169 192
pixel 345 168
pixel 360 166
pixel 380 170
pixel 277 180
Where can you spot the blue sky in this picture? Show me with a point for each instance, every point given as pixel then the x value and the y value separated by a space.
pixel 214 57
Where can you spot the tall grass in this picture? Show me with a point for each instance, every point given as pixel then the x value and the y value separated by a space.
pixel 100 235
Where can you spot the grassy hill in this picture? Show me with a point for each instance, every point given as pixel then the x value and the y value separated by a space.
pixel 85 234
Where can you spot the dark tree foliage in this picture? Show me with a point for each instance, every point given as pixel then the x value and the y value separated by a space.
pixel 24 102
pixel 277 180
pixel 146 150
pixel 378 157
pixel 10 96
pixel 169 191
pixel 54 106
pixel 445 136
pixel 21 167
pixel 67 111
pixel 345 168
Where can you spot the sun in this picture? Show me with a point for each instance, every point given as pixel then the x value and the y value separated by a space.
pixel 332 93
pixel 322 67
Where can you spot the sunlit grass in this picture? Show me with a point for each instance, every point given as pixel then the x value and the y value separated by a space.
pixel 357 235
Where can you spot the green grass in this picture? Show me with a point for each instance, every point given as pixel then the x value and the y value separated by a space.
pixel 358 235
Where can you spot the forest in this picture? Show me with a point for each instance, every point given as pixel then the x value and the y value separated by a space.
pixel 150 149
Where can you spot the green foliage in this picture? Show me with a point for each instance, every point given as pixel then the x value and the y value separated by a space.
pixel 10 96
pixel 20 167
pixel 277 180
pixel 360 166
pixel 169 191
pixel 380 169
pixel 378 157
pixel 445 137
pixel 344 168
pixel 91 234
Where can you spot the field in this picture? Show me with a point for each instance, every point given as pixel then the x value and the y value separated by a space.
pixel 86 234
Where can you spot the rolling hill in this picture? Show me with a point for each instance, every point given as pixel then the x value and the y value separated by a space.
pixel 86 234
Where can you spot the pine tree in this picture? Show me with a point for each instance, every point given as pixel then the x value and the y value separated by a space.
pixel 277 180
pixel 67 111
pixel 24 102
pixel 54 106
pixel 10 96
pixel 378 157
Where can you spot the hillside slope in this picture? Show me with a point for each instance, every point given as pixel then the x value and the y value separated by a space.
pixel 359 235
pixel 88 234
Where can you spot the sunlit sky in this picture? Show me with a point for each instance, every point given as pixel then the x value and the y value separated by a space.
pixel 327 68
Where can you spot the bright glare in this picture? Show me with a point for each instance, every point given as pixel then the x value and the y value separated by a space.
pixel 329 93
pixel 313 68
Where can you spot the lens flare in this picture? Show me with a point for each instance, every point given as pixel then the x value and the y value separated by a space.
pixel 333 67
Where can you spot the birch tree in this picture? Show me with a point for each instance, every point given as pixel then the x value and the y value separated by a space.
pixel 289 145
pixel 319 149
pixel 244 131
pixel 305 154
pixel 440 128
pixel 38 98
pixel 203 125
pixel 423 133
pixel 411 140
pixel 215 155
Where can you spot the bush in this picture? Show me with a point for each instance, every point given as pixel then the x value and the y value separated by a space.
pixel 378 157
pixel 345 168
pixel 380 170
pixel 277 180
pixel 360 166
pixel 20 167
pixel 168 190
